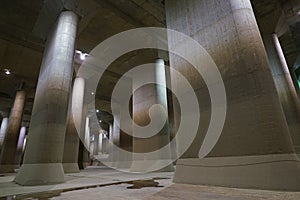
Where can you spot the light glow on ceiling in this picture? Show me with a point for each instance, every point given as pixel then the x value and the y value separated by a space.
pixel 7 71
pixel 81 54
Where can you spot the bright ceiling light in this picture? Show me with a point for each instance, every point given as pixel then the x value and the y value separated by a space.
pixel 7 71
pixel 92 93
pixel 82 56
pixel 97 110
pixel 100 121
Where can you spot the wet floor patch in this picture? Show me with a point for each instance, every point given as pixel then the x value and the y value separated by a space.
pixel 135 184
pixel 139 184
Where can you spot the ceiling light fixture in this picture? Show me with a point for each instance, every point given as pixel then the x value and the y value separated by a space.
pixel 7 71
pixel 82 55
pixel 97 110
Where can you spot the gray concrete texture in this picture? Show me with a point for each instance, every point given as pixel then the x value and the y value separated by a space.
pixel 45 143
pixel 268 25
pixel 255 124
pixel 9 148
pixel 4 124
pixel 71 146
pixel 143 99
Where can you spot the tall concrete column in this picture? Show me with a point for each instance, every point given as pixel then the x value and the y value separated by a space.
pixel 104 142
pixel 9 148
pixel 94 133
pixel 3 129
pixel 114 138
pixel 46 135
pixel 125 143
pixel 110 138
pixel 100 142
pixel 96 144
pixel 285 87
pixel 84 154
pixel 111 143
pixel 143 99
pixel 71 147
pixel 255 149
pixel 20 146
pixel 87 133
pixel 83 157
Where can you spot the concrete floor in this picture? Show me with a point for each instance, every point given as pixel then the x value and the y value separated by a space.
pixel 101 183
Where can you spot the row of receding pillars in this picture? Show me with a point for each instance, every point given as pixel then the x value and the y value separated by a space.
pixel 52 144
pixel 13 136
pixel 47 143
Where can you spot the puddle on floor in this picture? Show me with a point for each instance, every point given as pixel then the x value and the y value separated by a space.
pixel 136 184
pixel 143 183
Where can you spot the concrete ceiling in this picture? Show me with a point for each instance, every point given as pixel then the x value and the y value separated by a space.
pixel 282 17
pixel 23 25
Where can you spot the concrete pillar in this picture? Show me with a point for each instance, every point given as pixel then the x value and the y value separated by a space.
pixel 87 133
pixel 110 138
pixel 100 145
pixel 125 143
pixel 114 138
pixel 143 99
pixel 83 156
pixel 71 147
pixel 20 146
pixel 9 148
pixel 104 142
pixel 255 148
pixel 96 144
pixel 91 132
pixel 110 143
pixel 44 152
pixel 116 131
pixel 94 133
pixel 3 129
pixel 285 87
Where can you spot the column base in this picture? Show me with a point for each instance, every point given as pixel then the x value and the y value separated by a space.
pixel 169 168
pixel 124 165
pixel 113 159
pixel 144 166
pixel 71 167
pixel 83 165
pixel 125 161
pixel 97 162
pixel 271 172
pixel 40 174
pixel 7 168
